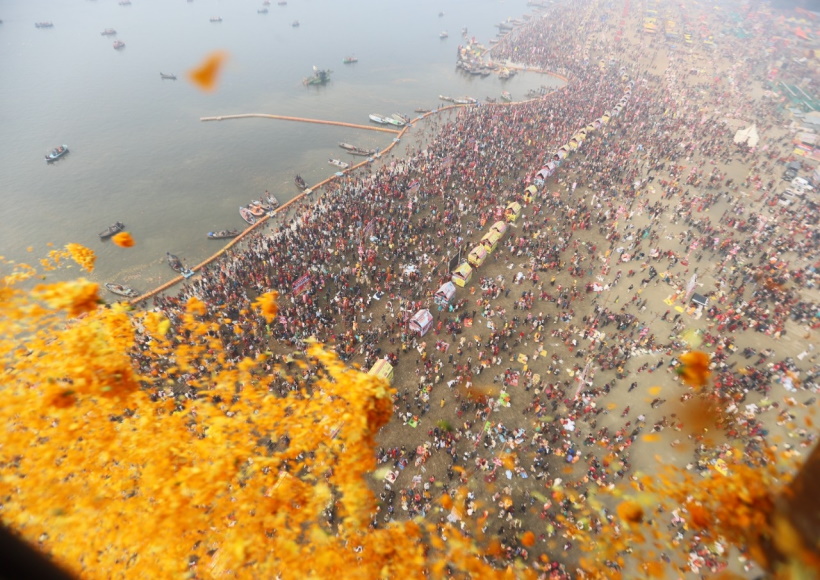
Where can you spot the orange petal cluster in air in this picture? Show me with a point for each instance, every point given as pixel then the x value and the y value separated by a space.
pixel 82 255
pixel 123 240
pixel 694 368
pixel 266 304
pixel 206 75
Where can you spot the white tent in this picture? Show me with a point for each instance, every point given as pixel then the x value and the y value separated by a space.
pixel 445 293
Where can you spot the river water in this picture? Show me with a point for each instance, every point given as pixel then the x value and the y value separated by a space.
pixel 139 153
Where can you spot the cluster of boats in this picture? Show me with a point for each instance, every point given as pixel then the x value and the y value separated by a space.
pixel 397 119
pixel 460 101
pixel 257 209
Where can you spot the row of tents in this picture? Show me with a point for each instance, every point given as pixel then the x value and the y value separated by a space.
pixel 422 321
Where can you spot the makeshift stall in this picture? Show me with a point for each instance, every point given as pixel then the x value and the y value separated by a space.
pixel 529 193
pixel 421 322
pixel 444 294
pixel 462 274
pixel 512 212
pixel 477 256
pixel 499 227
pixel 382 368
pixel 699 299
pixel 490 240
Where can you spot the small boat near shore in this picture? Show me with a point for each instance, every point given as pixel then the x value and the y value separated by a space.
pixel 350 60
pixel 395 122
pixel 256 209
pixel 223 234
pixel 443 35
pixel 378 119
pixel 121 290
pixel 166 77
pixel 339 163
pixel 56 153
pixel 421 110
pixel 108 32
pixel 247 215
pixel 118 44
pixel 262 11
pixel 403 118
pixel 505 96
pixel 353 150
pixel 300 183
pixel 448 99
pixel 177 266
pixel 114 228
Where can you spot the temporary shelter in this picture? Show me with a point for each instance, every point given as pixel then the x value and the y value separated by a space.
pixel 421 322
pixel 477 256
pixel 462 274
pixel 512 212
pixel 444 294
pixel 382 368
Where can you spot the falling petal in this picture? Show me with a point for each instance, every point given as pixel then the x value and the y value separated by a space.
pixel 206 75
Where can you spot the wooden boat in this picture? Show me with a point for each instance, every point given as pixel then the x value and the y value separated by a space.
pixel 490 100
pixel 262 11
pixel 223 234
pixel 121 290
pixel 420 110
pixel 108 32
pixel 300 183
pixel 282 3
pixel 174 262
pixel 378 119
pixel 448 99
pixel 465 101
pixel 118 44
pixel 167 77
pixel 271 200
pixel 320 77
pixel 350 60
pixel 338 163
pixel 394 122
pixel 403 118
pixel 505 96
pixel 125 2
pixel 256 209
pixel 216 19
pixel 111 230
pixel 443 35
pixel 247 215
pixel 56 153
pixel 43 25
pixel 295 24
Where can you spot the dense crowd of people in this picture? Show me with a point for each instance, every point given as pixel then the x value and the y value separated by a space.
pixel 586 298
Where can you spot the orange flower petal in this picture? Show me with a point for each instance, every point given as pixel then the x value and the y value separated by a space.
pixel 123 240
pixel 206 75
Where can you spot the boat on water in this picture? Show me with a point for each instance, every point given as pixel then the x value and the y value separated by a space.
pixel 505 74
pixel 378 119
pixel 247 215
pixel 505 96
pixel 320 77
pixel 490 100
pixel 256 209
pixel 118 44
pixel 43 25
pixel 174 262
pixel 216 19
pixel 448 99
pixel 421 110
pixel 403 118
pixel 350 60
pixel 125 2
pixel 282 3
pixel 56 153
pixel 108 32
pixel 114 228
pixel 339 163
pixel 262 11
pixel 443 35
pixel 168 77
pixel 223 234
pixel 300 183
pixel 353 150
pixel 348 146
pixel 121 290
pixel 395 122
pixel 465 101
pixel 295 24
